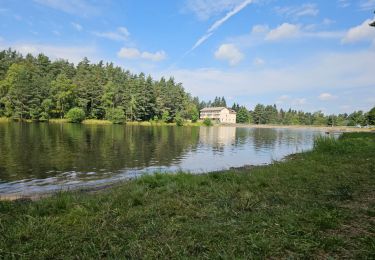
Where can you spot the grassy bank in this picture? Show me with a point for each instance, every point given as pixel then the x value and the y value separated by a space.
pixel 154 123
pixel 107 122
pixel 85 122
pixel 318 204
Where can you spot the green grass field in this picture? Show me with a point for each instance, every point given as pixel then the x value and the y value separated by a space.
pixel 318 204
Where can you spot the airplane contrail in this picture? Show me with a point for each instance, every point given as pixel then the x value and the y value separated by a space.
pixel 219 23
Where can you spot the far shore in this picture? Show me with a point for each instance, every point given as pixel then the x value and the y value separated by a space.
pixel 328 129
pixel 321 128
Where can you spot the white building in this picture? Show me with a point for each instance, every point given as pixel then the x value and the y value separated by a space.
pixel 220 114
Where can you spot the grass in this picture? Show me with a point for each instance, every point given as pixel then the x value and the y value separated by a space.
pixel 58 120
pixel 107 122
pixel 85 122
pixel 160 123
pixel 318 204
pixel 96 122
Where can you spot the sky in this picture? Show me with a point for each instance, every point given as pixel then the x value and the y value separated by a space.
pixel 308 55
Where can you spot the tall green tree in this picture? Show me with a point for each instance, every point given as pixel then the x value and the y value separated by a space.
pixel 259 114
pixel 357 118
pixel 23 98
pixel 63 94
pixel 243 116
pixel 371 116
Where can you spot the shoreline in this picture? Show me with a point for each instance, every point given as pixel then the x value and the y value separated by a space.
pixel 82 189
pixel 341 129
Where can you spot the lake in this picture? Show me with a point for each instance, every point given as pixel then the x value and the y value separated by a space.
pixel 40 157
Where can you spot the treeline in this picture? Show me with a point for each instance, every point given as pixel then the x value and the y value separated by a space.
pixel 270 114
pixel 218 102
pixel 39 89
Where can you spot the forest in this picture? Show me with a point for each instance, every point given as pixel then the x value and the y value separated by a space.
pixel 270 114
pixel 36 88
pixel 39 89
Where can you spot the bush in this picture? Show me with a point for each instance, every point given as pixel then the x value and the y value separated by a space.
pixel 155 120
pixel 179 120
pixel 194 115
pixel 76 115
pixel 44 117
pixel 207 122
pixel 166 117
pixel 115 115
pixel 194 118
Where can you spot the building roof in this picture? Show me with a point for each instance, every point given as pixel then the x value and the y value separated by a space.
pixel 217 109
pixel 212 109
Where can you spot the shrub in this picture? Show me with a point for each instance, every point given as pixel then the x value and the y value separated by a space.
pixel 207 122
pixel 194 118
pixel 166 117
pixel 115 115
pixel 76 115
pixel 156 119
pixel 194 115
pixel 44 117
pixel 179 120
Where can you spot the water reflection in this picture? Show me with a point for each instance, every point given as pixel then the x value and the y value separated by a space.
pixel 217 137
pixel 42 150
pixel 49 156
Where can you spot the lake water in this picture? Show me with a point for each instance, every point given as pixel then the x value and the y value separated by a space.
pixel 44 157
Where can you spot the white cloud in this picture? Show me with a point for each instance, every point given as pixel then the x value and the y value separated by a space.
pixel 230 53
pixel 121 34
pixel 72 53
pixel 204 9
pixel 298 11
pixel 288 101
pixel 366 5
pixel 293 31
pixel 338 70
pixel 55 32
pixel 260 28
pixel 326 97
pixel 77 7
pixel 220 22
pixel 77 26
pixel 157 56
pixel 133 53
pixel 129 53
pixel 284 31
pixel 358 33
pixel 328 21
pixel 283 99
pixel 299 101
pixel 324 34
pixel 344 3
pixel 259 62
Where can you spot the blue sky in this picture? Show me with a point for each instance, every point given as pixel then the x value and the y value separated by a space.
pixel 310 55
